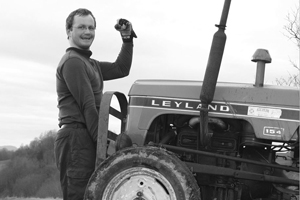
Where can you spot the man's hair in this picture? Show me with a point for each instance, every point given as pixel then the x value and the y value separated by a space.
pixel 80 12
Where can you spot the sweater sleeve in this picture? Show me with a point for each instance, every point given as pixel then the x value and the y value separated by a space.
pixel 121 67
pixel 79 85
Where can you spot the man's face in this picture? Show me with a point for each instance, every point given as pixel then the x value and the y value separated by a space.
pixel 82 33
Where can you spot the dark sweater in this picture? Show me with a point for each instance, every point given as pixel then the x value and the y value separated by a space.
pixel 79 85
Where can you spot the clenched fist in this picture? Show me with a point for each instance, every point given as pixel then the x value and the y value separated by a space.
pixel 125 29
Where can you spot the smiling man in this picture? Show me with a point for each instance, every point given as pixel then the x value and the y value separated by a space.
pixel 79 86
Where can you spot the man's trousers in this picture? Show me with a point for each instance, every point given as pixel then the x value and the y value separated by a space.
pixel 75 155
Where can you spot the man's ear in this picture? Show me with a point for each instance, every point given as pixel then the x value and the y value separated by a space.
pixel 68 31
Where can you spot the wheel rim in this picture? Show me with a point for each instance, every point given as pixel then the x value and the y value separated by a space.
pixel 139 183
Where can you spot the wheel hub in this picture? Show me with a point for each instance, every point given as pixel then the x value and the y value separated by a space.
pixel 139 184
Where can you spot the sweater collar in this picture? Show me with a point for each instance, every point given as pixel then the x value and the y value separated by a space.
pixel 86 53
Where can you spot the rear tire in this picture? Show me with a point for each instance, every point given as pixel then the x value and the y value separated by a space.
pixel 142 173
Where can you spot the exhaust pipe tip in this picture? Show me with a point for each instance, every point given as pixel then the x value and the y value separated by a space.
pixel 261 57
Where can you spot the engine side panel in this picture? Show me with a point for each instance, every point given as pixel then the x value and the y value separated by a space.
pixel 269 122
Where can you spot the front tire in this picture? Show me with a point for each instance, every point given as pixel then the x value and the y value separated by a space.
pixel 142 173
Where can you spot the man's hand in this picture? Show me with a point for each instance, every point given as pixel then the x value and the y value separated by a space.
pixel 125 28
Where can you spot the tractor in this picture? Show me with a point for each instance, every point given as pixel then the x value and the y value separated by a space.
pixel 192 140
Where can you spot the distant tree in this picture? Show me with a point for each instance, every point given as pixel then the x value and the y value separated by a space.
pixel 292 29
pixel 5 154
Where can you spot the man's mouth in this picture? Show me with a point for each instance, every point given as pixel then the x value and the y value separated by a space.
pixel 86 38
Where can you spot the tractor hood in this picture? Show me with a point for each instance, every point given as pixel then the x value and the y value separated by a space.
pixel 228 92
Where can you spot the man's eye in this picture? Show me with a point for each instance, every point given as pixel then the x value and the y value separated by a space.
pixel 81 27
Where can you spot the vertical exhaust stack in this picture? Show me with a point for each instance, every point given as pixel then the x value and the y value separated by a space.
pixel 211 75
pixel 261 57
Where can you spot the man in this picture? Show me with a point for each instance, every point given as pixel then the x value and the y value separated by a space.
pixel 79 85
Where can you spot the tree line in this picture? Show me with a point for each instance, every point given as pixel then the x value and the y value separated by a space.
pixel 31 170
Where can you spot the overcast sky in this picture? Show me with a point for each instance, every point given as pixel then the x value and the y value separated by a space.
pixel 174 39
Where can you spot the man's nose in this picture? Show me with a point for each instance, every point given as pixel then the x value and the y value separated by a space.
pixel 87 30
